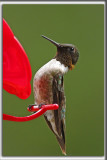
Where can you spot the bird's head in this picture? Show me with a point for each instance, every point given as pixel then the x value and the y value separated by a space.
pixel 67 54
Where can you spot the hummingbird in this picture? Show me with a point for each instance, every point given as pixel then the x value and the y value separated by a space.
pixel 48 87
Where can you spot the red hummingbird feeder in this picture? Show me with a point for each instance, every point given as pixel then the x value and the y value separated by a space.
pixel 17 74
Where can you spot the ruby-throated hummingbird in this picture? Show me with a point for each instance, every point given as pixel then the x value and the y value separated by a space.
pixel 49 87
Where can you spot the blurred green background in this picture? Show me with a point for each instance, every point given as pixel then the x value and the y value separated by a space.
pixel 82 25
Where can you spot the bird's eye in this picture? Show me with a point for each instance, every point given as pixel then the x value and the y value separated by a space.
pixel 72 48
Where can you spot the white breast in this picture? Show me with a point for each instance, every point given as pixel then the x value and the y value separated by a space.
pixel 52 66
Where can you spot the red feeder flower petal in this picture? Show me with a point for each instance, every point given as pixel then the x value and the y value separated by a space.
pixel 16 67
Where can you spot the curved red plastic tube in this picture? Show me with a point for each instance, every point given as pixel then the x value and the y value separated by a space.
pixel 39 112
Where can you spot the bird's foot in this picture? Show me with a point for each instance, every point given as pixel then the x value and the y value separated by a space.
pixel 40 105
pixel 30 106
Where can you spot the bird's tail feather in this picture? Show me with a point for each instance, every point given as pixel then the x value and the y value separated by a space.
pixel 62 145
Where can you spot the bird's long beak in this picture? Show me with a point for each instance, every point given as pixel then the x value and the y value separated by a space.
pixel 55 43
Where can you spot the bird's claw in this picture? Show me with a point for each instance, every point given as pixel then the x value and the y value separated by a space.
pixel 40 105
pixel 30 106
